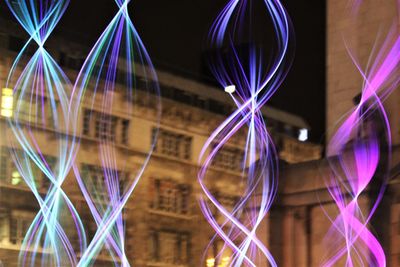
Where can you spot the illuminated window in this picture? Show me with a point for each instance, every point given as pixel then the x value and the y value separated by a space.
pixel 224 262
pixel 219 255
pixel 10 174
pixel 7 102
pixel 210 262
pixel 173 144
pixel 16 178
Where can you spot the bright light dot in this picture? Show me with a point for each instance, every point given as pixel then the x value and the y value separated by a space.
pixel 210 262
pixel 230 89
pixel 303 135
pixel 15 174
pixel 6 113
pixel 225 262
pixel 7 102
pixel 15 178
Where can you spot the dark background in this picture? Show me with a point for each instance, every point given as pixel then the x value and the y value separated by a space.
pixel 174 32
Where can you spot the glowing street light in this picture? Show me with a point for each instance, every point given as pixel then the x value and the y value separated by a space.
pixel 303 135
pixel 230 89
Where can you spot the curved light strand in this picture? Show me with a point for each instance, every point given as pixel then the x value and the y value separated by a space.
pixel 42 95
pixel 360 153
pixel 255 84
pixel 117 66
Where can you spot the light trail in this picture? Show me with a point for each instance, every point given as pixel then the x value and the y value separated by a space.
pixel 359 156
pixel 255 81
pixel 118 68
pixel 41 92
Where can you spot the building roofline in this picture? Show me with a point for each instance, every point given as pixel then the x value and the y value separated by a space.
pixel 196 84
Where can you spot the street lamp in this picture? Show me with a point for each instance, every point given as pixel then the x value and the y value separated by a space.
pixel 230 89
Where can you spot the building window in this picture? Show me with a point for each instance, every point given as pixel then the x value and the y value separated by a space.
pixel 183 248
pixel 91 229
pixel 51 165
pixel 219 254
pixel 96 181
pixel 95 175
pixel 4 162
pixel 7 102
pixel 154 247
pixel 86 122
pixel 27 111
pixel 173 144
pixel 168 247
pixel 4 226
pixel 167 195
pixel 20 222
pixel 125 132
pixel 229 158
pixel 42 113
pixel 184 199
pixel 398 227
pixel 154 137
pixel 106 127
pixel 229 202
pixel 9 173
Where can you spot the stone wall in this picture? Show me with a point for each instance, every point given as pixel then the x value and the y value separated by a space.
pixel 343 80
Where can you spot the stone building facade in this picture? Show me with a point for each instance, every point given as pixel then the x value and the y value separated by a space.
pixel 299 220
pixel 164 224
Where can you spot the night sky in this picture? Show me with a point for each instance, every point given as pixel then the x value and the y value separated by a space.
pixel 174 32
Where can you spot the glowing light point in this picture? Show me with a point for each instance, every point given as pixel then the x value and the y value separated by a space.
pixel 303 135
pixel 210 262
pixel 16 178
pixel 230 89
pixel 7 102
pixel 224 263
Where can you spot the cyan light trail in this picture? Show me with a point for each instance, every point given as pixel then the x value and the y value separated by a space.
pixel 117 67
pixel 42 94
pixel 360 152
pixel 255 81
